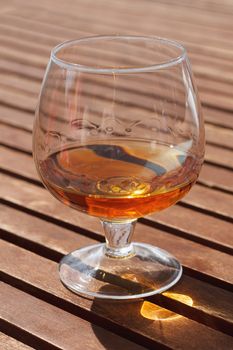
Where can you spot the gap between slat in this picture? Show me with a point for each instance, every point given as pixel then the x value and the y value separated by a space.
pixel 212 321
pixel 79 230
pixel 25 337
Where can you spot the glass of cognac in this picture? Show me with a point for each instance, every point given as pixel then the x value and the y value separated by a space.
pixel 119 135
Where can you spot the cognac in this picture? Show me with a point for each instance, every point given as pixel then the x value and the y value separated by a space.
pixel 120 179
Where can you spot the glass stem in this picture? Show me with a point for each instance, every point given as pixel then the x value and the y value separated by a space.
pixel 118 237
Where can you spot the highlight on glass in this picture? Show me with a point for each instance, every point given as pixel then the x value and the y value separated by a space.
pixel 119 135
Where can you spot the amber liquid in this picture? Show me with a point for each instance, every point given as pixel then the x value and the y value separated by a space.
pixel 120 180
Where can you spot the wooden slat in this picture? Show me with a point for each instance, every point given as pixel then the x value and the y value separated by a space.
pixel 41 232
pixel 215 176
pixel 196 226
pixel 213 98
pixel 211 176
pixel 208 198
pixel 219 136
pixel 21 44
pixel 55 32
pixel 19 163
pixel 24 120
pixel 25 167
pixel 127 314
pixel 32 45
pixel 7 28
pixel 19 84
pixel 219 87
pixel 8 343
pixel 209 58
pixel 214 154
pixel 191 254
pixel 215 33
pixel 218 96
pixel 208 61
pixel 34 197
pixel 16 118
pixel 20 69
pixel 47 239
pixel 218 117
pixel 12 137
pixel 30 88
pixel 18 100
pixel 212 116
pixel 28 59
pixel 212 94
pixel 37 230
pixel 124 22
pixel 224 7
pixel 179 12
pixel 224 138
pixel 53 326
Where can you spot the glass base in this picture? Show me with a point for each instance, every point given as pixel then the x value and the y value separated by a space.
pixel 148 270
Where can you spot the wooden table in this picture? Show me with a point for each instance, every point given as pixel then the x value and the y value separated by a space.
pixel 36 230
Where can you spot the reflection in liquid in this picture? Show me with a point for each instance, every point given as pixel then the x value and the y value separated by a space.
pixel 155 312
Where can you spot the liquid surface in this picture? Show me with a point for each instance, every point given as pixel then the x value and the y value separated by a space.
pixel 120 180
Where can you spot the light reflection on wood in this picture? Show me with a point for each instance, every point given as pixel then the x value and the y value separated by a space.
pixel 155 312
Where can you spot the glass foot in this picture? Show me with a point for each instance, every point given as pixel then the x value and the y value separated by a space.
pixel 148 270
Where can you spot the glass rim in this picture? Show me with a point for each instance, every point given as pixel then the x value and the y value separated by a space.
pixel 89 69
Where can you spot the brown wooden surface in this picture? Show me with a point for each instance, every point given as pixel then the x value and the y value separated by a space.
pixel 9 343
pixel 36 311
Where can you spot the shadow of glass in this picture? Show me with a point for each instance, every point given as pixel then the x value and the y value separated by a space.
pixel 123 315
pixel 137 315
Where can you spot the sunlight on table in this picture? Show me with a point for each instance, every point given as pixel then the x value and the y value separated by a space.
pixel 157 313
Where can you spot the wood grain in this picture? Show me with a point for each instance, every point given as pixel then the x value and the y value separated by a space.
pixel 211 175
pixel 53 326
pixel 196 226
pixel 8 343
pixel 22 140
pixel 37 312
pixel 43 238
pixel 191 254
pixel 128 313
